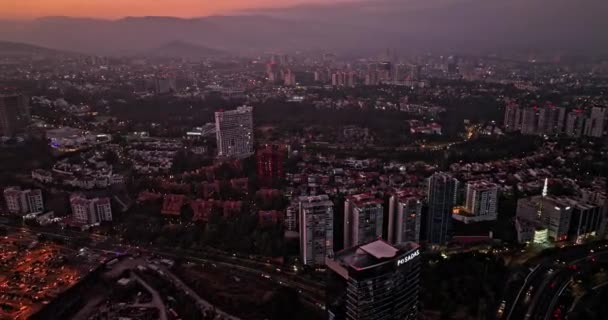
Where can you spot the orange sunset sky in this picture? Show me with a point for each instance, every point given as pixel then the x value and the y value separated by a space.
pixel 27 9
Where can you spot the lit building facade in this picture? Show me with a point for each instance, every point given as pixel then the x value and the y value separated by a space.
pixel 23 202
pixel 363 219
pixel 481 200
pixel 404 216
pixel 90 211
pixel 586 221
pixel 234 132
pixel 316 215
pixel 271 164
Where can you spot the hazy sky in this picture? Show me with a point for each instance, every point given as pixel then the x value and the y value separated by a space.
pixel 20 9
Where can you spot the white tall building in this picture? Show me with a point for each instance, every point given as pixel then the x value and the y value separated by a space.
pixel 363 219
pixel 234 132
pixel 404 215
pixel 23 201
pixel 316 229
pixel 481 200
pixel 90 211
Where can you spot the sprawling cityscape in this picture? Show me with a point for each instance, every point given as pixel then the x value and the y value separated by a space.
pixel 280 182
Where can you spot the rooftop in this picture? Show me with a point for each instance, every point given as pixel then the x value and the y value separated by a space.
pixel 372 254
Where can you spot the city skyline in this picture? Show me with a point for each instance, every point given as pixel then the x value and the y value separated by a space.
pixel 303 160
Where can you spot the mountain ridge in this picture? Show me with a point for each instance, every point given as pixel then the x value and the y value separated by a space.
pixel 407 25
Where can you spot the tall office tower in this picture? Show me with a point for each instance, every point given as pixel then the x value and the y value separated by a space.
pixel 23 202
pixel 234 132
pixel 14 113
pixel 271 164
pixel 316 229
pixel 481 200
pixel 512 118
pixel 596 122
pixel 586 221
pixel 529 121
pixel 374 281
pixel 363 219
pixel 442 191
pixel 404 215
pixel 90 211
pixel 575 123
pixel 557 213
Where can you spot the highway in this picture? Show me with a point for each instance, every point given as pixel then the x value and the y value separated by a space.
pixel 536 295
pixel 311 291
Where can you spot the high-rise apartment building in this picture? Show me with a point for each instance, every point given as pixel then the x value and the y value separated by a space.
pixel 596 122
pixel 404 217
pixel 547 120
pixel 23 202
pixel 363 219
pixel 90 211
pixel 14 114
pixel 234 132
pixel 271 164
pixel 575 123
pixel 529 120
pixel 442 191
pixel 512 121
pixel 482 200
pixel 374 281
pixel 316 215
pixel 551 120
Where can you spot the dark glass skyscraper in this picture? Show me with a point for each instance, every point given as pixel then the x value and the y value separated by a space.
pixel 14 113
pixel 442 193
pixel 374 281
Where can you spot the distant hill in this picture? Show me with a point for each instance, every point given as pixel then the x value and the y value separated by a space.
pixel 560 26
pixel 181 49
pixel 18 49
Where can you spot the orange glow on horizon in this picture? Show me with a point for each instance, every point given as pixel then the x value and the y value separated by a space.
pixel 112 9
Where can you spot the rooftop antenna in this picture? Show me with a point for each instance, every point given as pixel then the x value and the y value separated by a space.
pixel 544 194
